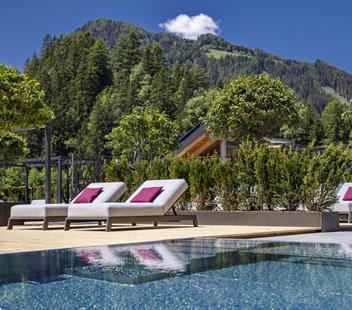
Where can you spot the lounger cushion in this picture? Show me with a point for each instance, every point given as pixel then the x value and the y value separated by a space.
pixel 88 195
pixel 104 210
pixel 172 190
pixel 111 191
pixel 147 194
pixel 348 195
pixel 38 211
pixel 344 206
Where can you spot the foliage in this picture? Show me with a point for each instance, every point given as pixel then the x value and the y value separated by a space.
pixel 246 176
pixel 324 172
pixel 308 80
pixel 21 101
pixel 12 146
pixel 336 128
pixel 260 178
pixel 290 169
pixel 307 128
pixel 224 176
pixel 72 72
pixel 143 134
pixel 21 106
pixel 252 107
pixel 200 178
pixel 195 109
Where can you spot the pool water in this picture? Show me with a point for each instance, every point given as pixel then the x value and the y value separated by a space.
pixel 201 273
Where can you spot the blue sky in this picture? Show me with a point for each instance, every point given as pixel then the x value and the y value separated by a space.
pixel 296 29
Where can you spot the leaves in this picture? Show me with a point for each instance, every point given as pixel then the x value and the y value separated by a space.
pixel 143 134
pixel 21 101
pixel 252 107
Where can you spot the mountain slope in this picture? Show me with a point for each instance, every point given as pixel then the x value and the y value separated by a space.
pixel 314 83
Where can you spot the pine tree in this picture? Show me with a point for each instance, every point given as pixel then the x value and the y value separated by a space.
pixel 126 53
pixel 335 127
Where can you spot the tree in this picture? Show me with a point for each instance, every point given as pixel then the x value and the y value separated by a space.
pixel 195 109
pixel 12 146
pixel 143 134
pixel 105 115
pixel 21 106
pixel 336 129
pixel 252 106
pixel 21 101
pixel 72 72
pixel 306 128
pixel 126 53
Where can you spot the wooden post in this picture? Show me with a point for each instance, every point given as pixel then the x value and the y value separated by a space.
pixel 223 149
pixel 59 181
pixel 26 189
pixel 48 163
pixel 73 185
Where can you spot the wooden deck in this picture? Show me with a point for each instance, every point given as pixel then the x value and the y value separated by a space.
pixel 32 238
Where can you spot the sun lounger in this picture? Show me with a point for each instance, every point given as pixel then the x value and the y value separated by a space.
pixel 344 207
pixel 133 212
pixel 39 211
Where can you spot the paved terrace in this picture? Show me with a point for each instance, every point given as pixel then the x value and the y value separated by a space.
pixel 32 238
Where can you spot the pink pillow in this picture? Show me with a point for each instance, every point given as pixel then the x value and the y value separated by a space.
pixel 147 194
pixel 348 195
pixel 88 195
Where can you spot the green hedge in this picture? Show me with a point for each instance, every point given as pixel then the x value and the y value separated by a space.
pixel 260 178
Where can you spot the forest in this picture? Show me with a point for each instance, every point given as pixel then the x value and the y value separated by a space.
pixel 113 90
pixel 95 78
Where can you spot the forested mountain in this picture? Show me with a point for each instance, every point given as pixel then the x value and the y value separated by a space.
pixel 315 84
pixel 108 76
pixel 90 88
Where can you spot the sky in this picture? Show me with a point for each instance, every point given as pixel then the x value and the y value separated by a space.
pixel 304 30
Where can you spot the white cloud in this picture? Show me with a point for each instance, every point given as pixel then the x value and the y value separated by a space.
pixel 190 27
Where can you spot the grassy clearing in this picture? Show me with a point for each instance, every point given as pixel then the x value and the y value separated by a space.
pixel 333 93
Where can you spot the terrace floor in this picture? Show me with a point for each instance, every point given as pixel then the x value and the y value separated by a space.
pixel 32 238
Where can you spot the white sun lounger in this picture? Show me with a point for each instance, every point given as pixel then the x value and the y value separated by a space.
pixel 131 212
pixel 344 207
pixel 39 211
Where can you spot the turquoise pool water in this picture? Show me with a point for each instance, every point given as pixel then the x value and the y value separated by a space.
pixel 180 274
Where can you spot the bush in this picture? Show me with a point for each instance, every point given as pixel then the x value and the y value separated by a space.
pixel 259 178
pixel 246 176
pixel 324 172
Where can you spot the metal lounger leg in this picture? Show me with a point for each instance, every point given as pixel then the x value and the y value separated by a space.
pixel 67 224
pixel 155 223
pixel 195 222
pixel 134 224
pixel 108 225
pixel 10 224
pixel 45 224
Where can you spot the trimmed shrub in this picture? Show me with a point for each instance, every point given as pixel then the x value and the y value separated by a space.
pixel 260 178
pixel 324 172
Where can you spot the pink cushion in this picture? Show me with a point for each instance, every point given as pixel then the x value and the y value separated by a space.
pixel 348 194
pixel 147 194
pixel 88 195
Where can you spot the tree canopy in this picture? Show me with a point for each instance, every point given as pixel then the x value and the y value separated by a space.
pixel 251 106
pixel 143 134
pixel 21 106
pixel 21 101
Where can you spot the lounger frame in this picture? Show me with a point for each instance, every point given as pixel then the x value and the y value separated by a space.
pixel 135 219
pixel 46 220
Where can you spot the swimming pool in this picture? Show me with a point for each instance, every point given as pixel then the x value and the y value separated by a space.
pixel 201 273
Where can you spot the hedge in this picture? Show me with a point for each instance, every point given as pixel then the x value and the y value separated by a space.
pixel 259 178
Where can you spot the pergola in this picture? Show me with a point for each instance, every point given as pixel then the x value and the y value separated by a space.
pixel 61 163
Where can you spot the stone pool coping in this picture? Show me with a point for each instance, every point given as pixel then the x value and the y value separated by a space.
pixel 32 238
